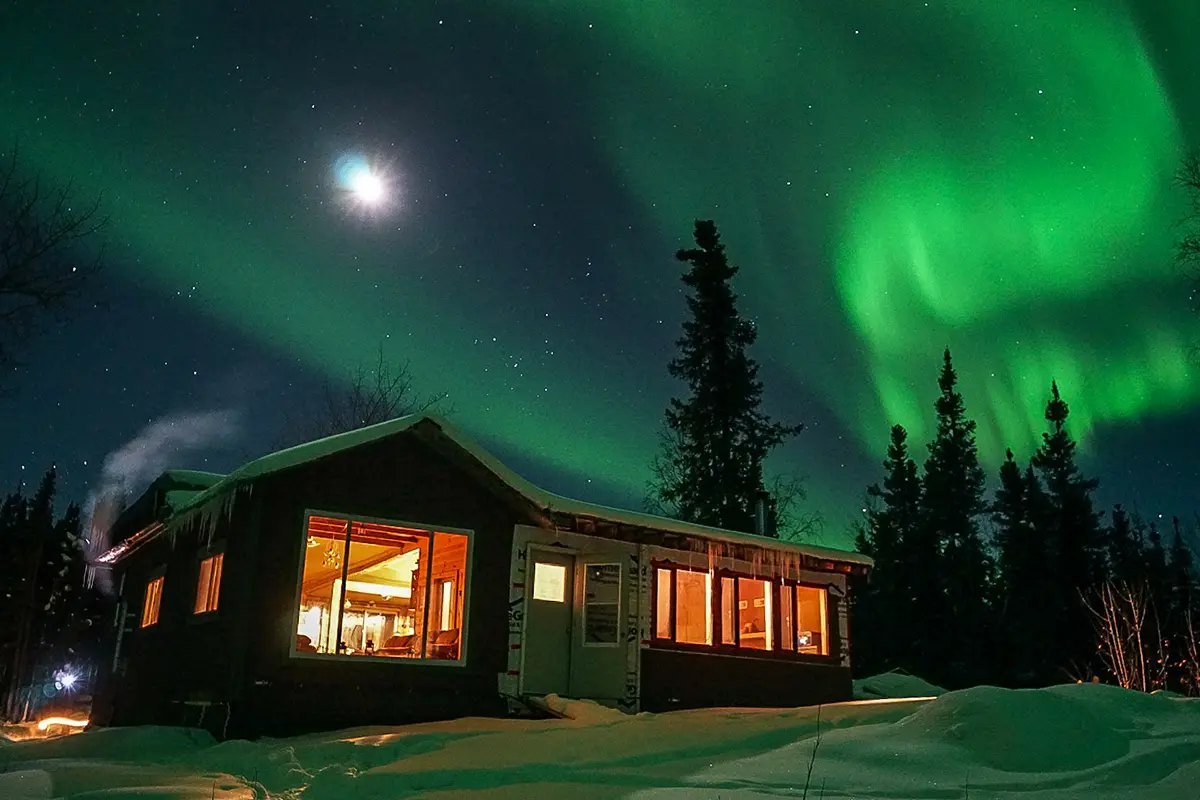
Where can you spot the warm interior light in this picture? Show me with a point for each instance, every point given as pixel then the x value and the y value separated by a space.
pixel 65 721
pixel 708 617
pixel 383 590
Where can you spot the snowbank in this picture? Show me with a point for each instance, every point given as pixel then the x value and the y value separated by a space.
pixel 588 711
pixel 894 685
pixel 1078 742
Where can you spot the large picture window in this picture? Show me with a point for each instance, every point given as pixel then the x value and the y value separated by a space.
pixel 379 590
pixel 753 613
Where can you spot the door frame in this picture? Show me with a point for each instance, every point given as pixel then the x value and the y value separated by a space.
pixel 530 549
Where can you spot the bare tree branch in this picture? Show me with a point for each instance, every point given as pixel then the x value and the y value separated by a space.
pixel 369 395
pixel 43 267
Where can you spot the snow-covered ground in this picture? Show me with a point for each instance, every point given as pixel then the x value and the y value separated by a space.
pixel 1068 743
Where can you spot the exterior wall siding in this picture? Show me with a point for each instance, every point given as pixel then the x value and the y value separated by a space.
pixel 394 479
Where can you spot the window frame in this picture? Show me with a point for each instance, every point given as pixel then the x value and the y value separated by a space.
pixel 425 527
pixel 775 583
pixel 158 576
pixel 583 604
pixel 826 616
pixel 206 553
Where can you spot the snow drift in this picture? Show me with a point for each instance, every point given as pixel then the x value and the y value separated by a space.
pixel 1066 743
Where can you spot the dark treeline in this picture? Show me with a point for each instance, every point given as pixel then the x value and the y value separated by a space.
pixel 50 619
pixel 1025 586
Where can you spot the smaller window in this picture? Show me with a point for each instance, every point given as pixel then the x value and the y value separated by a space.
pixel 151 602
pixel 602 604
pixel 549 582
pixel 812 624
pixel 208 588
pixel 729 630
pixel 662 615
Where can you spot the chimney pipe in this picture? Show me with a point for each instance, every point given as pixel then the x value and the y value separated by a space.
pixel 760 515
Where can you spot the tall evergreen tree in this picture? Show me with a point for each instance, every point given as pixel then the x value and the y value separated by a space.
pixel 1017 512
pixel 1124 548
pixel 1181 570
pixel 953 490
pixel 711 468
pixel 888 602
pixel 1074 545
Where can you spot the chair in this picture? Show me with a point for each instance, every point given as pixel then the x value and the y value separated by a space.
pixel 398 645
pixel 445 645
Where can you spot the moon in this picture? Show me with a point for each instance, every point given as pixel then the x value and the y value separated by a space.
pixel 364 186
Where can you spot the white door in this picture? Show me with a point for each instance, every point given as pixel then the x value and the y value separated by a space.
pixel 548 624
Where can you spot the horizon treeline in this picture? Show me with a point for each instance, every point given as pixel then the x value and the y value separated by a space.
pixel 1028 585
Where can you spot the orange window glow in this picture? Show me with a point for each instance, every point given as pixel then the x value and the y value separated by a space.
pixel 151 602
pixel 208 587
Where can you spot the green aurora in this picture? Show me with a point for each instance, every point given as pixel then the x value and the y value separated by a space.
pixel 1005 189
pixel 962 174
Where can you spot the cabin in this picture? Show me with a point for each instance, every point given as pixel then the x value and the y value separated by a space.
pixel 399 573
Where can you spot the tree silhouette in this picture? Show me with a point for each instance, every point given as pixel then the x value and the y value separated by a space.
pixel 710 466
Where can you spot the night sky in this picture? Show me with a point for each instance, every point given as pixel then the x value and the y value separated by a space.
pixel 892 178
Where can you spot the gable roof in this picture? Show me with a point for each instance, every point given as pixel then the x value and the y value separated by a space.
pixel 535 495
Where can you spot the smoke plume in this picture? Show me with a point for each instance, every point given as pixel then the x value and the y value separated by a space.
pixel 161 445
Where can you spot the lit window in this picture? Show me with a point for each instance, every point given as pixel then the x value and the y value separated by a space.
pixel 754 614
pixel 693 607
pixel 787 629
pixel 549 582
pixel 812 625
pixel 683 597
pixel 378 590
pixel 208 587
pixel 662 604
pixel 728 618
pixel 151 602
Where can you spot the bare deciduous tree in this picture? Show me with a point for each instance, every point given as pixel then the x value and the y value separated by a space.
pixel 368 395
pixel 44 260
pixel 1190 658
pixel 1130 640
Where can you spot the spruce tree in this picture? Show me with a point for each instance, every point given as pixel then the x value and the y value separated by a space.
pixel 1074 544
pixel 1021 576
pixel 953 491
pixel 710 470
pixel 891 535
pixel 1124 548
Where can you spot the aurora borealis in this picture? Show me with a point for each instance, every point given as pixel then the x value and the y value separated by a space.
pixel 892 178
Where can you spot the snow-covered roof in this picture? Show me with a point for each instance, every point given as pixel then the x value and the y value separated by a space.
pixel 540 498
pixel 191 478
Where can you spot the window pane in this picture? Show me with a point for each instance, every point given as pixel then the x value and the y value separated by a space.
pixel 151 602
pixel 754 614
pixel 728 618
pixel 601 603
pixel 693 607
pixel 662 604
pixel 787 595
pixel 321 585
pixel 449 579
pixel 812 628
pixel 549 582
pixel 208 587
pixel 385 592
